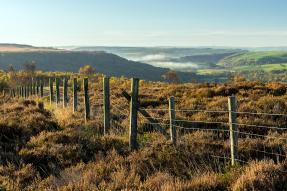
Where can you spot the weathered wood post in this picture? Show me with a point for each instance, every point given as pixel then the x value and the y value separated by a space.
pixel 20 91
pixel 13 92
pixel 23 93
pixel 233 129
pixel 41 88
pixel 134 104
pixel 34 88
pixel 51 90
pixel 26 91
pixel 57 91
pixel 75 95
pixel 29 90
pixel 37 88
pixel 87 99
pixel 172 120
pixel 106 88
pixel 65 92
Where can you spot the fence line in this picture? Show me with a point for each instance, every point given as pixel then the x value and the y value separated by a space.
pixel 174 124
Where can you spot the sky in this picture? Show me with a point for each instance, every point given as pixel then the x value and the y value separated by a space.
pixel 183 23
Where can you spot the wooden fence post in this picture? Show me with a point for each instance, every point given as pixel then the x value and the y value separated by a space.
pixel 37 88
pixel 75 95
pixel 51 90
pixel 26 91
pixel 106 88
pixel 65 92
pixel 33 88
pixel 20 91
pixel 233 129
pixel 29 90
pixel 41 89
pixel 172 120
pixel 87 99
pixel 134 114
pixel 57 91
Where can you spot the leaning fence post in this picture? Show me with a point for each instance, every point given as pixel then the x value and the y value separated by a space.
pixel 87 99
pixel 51 90
pixel 57 91
pixel 106 88
pixel 172 120
pixel 65 92
pixel 233 129
pixel 134 103
pixel 75 95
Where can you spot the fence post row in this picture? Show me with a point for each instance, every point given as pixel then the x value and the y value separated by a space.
pixel 106 88
pixel 87 99
pixel 31 89
pixel 233 129
pixel 65 92
pixel 75 95
pixel 133 114
pixel 172 120
pixel 51 90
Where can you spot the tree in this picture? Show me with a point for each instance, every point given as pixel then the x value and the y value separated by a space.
pixel 87 70
pixel 171 77
pixel 30 67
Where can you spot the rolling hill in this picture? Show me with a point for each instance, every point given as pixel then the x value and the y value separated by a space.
pixel 255 58
pixel 49 59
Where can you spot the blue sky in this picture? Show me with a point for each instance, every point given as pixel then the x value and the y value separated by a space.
pixel 144 22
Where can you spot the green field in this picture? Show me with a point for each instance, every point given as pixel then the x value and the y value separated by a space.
pixel 264 67
pixel 255 58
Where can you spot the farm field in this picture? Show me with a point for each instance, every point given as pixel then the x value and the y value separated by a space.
pixel 245 68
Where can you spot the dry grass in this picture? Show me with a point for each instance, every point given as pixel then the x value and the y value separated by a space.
pixel 57 150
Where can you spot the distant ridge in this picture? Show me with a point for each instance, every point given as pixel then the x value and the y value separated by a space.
pixel 50 59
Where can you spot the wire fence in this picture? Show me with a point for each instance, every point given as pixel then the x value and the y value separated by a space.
pixel 185 125
pixel 255 141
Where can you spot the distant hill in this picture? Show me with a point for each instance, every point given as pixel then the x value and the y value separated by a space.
pixel 5 47
pixel 255 58
pixel 49 59
pixel 170 52
pixel 206 58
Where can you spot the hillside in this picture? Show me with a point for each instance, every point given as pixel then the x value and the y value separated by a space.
pixel 70 61
pixel 5 47
pixel 255 58
pixel 205 58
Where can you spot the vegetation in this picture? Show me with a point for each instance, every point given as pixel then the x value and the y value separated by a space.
pixel 54 149
pixel 87 70
pixel 255 58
